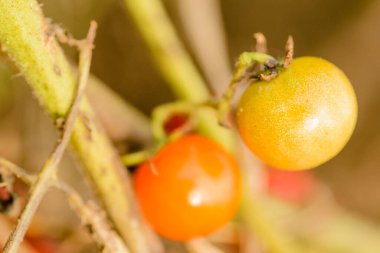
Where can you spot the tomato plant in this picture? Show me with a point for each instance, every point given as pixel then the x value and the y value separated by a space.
pixel 190 189
pixel 300 119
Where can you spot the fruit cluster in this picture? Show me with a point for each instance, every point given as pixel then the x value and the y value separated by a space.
pixel 299 118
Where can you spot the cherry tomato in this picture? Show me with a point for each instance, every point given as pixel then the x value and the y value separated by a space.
pixel 191 189
pixel 300 119
pixel 175 122
pixel 292 186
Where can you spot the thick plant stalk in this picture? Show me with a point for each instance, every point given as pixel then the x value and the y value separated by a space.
pixel 27 38
pixel 175 64
pixel 49 170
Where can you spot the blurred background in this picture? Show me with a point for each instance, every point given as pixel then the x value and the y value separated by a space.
pixel 345 32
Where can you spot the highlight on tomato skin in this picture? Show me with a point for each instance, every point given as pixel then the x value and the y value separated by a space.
pixel 192 189
pixel 291 186
pixel 301 118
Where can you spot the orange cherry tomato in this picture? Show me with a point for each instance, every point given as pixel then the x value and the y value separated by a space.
pixel 300 119
pixel 191 189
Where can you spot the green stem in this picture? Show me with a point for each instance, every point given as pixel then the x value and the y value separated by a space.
pixel 169 54
pixel 24 35
pixel 175 64
pixel 136 158
pixel 50 167
pixel 163 112
pixel 246 59
pixel 245 62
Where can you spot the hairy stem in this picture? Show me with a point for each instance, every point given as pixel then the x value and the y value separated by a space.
pixel 91 216
pixel 26 37
pixel 89 213
pixel 49 169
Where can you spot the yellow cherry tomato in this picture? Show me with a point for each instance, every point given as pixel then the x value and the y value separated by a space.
pixel 300 119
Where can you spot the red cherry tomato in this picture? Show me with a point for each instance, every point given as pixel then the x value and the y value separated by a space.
pixel 191 190
pixel 293 186
pixel 174 122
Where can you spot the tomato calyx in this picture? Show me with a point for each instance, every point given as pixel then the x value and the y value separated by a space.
pixel 253 67
pixel 260 66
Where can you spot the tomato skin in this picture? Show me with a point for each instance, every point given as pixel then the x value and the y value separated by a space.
pixel 300 119
pixel 292 186
pixel 193 190
pixel 175 122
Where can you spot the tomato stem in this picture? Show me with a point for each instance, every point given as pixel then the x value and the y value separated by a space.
pixel 247 59
pixel 175 64
pixel 132 159
pixel 243 74
pixel 163 113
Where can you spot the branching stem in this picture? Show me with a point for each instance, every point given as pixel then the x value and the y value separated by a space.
pixel 90 214
pixel 49 169
pixel 175 64
pixel 28 40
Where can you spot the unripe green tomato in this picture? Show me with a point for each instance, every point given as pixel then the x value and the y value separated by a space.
pixel 300 119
